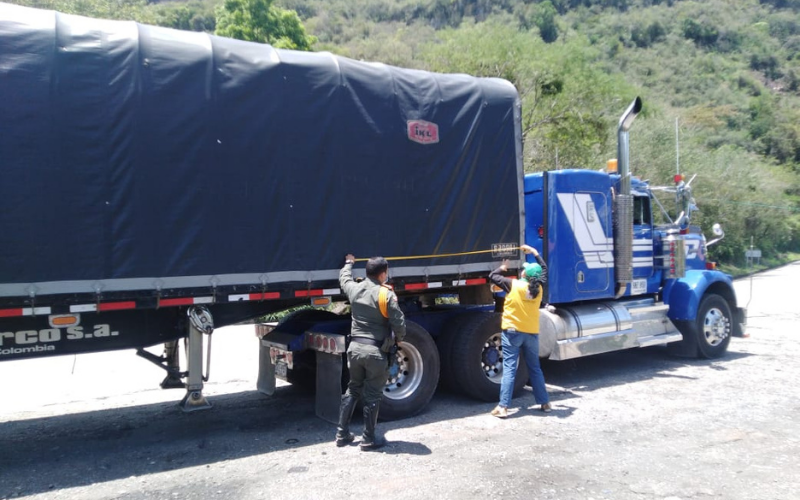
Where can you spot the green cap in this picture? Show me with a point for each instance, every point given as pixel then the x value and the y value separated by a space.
pixel 531 270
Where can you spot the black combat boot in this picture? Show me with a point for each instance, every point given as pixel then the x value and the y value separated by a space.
pixel 370 441
pixel 343 434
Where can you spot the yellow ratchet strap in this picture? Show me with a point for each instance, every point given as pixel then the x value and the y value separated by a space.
pixel 409 257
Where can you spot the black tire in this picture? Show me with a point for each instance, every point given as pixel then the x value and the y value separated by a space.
pixel 709 334
pixel 445 341
pixel 477 360
pixel 411 388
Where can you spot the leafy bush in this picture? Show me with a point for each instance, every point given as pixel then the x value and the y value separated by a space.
pixel 702 33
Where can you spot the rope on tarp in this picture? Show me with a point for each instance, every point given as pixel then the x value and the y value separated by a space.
pixel 433 256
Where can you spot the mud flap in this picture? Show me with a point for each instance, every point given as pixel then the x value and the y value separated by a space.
pixel 740 322
pixel 266 372
pixel 329 386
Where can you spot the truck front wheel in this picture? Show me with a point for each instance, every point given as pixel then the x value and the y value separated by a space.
pixel 412 381
pixel 709 334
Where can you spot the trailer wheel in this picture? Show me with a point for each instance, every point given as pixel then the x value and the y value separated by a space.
pixel 477 359
pixel 413 380
pixel 709 334
pixel 445 342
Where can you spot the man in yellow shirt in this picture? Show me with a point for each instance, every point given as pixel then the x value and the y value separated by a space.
pixel 520 326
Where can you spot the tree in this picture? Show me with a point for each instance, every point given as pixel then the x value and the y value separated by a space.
pixel 545 19
pixel 703 33
pixel 193 15
pixel 260 21
pixel 542 15
pixel 102 9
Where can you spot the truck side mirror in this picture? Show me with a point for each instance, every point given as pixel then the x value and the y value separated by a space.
pixel 718 232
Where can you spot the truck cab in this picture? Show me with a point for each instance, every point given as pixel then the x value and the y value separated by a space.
pixel 674 295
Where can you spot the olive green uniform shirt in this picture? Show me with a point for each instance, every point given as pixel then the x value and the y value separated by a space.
pixel 367 318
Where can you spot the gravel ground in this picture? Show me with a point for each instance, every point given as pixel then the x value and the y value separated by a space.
pixel 638 424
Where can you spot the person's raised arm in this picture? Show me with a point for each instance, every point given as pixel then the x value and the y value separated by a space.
pixel 498 279
pixel 539 260
pixel 346 280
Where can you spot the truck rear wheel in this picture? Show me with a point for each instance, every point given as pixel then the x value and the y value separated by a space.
pixel 413 380
pixel 477 359
pixel 709 334
pixel 451 334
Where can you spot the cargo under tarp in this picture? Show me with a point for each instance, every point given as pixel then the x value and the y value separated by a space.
pixel 136 158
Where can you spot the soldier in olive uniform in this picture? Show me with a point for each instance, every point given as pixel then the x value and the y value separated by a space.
pixel 376 315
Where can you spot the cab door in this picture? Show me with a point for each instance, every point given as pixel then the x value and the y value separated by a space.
pixel 579 235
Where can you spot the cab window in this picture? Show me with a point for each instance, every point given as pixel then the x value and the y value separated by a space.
pixel 641 211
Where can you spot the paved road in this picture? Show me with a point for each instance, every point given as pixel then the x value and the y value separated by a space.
pixel 633 425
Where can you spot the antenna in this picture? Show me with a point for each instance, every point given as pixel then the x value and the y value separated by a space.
pixel 677 149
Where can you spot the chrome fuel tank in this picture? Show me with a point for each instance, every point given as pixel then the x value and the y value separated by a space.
pixel 576 331
pixel 570 332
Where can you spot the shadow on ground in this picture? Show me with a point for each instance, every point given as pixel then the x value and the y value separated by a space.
pixel 106 445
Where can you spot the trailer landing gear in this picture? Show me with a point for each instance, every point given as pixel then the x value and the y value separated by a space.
pixel 194 401
pixel 173 367
pixel 200 322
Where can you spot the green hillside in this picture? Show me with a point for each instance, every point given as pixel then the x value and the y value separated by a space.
pixel 720 80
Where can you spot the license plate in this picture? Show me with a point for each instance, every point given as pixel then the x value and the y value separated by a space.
pixel 500 250
pixel 638 287
pixel 280 369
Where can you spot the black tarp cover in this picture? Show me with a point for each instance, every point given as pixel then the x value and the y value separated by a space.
pixel 134 157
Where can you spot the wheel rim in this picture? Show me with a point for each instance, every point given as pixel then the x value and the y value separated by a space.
pixel 716 327
pixel 492 358
pixel 405 376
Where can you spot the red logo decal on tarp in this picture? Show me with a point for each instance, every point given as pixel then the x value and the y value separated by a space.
pixel 423 132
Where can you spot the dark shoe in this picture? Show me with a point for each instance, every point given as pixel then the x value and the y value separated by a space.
pixel 343 434
pixel 547 408
pixel 370 441
pixel 344 439
pixel 375 444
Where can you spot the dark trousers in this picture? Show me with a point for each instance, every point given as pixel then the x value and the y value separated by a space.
pixel 368 373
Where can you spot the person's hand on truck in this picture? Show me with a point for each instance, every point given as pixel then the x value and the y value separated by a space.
pixel 529 249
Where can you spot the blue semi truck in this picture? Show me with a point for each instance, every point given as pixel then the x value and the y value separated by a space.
pixel 158 184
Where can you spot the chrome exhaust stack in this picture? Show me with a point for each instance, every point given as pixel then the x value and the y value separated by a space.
pixel 623 203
